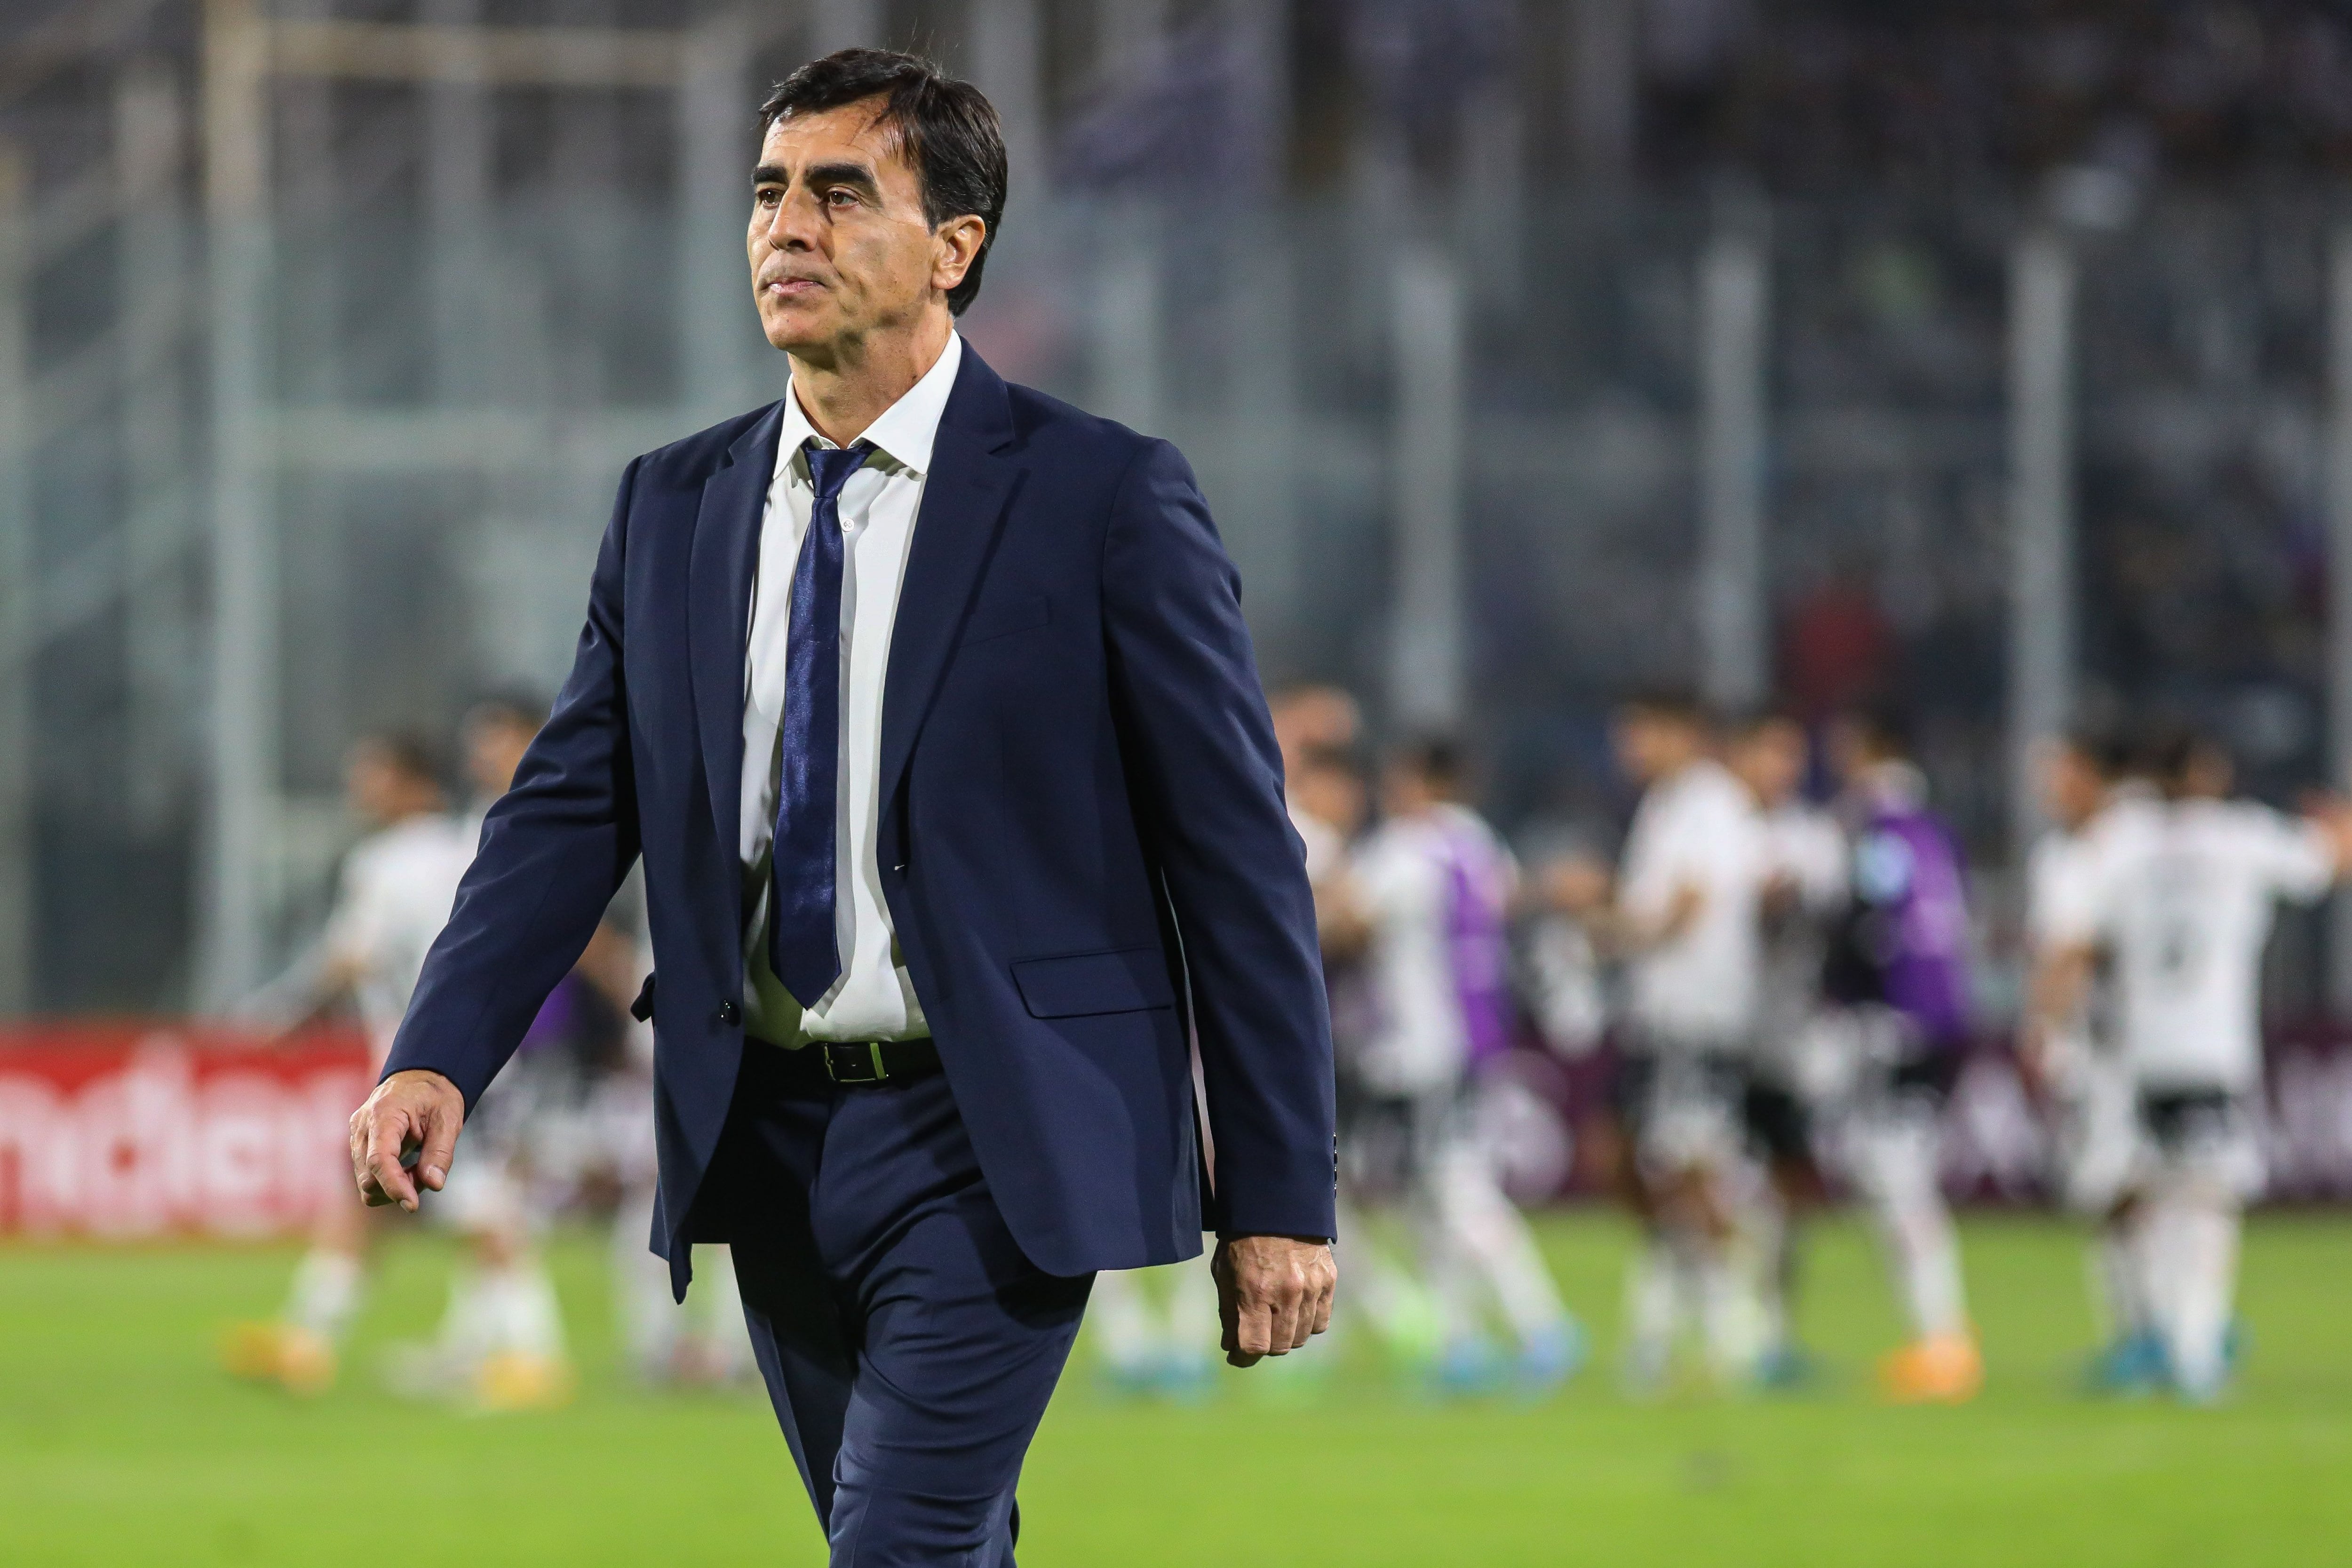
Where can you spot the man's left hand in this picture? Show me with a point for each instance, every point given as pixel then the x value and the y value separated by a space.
pixel 1273 1293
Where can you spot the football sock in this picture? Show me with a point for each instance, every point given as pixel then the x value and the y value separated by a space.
pixel 520 1310
pixel 1491 1236
pixel 1122 1317
pixel 2198 1263
pixel 326 1292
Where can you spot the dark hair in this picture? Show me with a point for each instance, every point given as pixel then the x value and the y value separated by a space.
pixel 1752 722
pixel 514 710
pixel 2105 747
pixel 1438 759
pixel 1678 703
pixel 947 129
pixel 409 753
pixel 2167 749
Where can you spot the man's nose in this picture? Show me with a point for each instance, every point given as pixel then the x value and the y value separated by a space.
pixel 791 226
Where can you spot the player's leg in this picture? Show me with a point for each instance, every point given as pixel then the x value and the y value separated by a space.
pixel 1646 1183
pixel 1773 1219
pixel 653 1326
pixel 1192 1328
pixel 1126 1332
pixel 1493 1245
pixel 1383 1293
pixel 2209 1162
pixel 2100 1142
pixel 1896 1144
pixel 2196 1231
pixel 1467 1362
pixel 302 1348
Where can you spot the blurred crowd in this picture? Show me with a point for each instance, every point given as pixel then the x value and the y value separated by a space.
pixel 1826 94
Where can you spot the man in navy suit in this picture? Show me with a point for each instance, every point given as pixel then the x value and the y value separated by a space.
pixel 928 702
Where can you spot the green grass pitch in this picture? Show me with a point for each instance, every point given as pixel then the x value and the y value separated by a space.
pixel 120 1444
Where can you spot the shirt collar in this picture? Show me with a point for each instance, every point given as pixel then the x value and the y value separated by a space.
pixel 906 430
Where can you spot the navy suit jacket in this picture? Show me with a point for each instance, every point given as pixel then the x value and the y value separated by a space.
pixel 1083 837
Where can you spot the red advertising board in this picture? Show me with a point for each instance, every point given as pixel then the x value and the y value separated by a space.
pixel 132 1130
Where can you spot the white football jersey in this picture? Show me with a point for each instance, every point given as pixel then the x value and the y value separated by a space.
pixel 1698 829
pixel 396 890
pixel 2061 882
pixel 1804 849
pixel 2183 895
pixel 1408 874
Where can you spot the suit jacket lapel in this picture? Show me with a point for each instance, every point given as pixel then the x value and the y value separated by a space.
pixel 963 503
pixel 725 554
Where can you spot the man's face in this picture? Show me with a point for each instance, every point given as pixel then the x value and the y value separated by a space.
pixel 2072 789
pixel 1770 759
pixel 1651 746
pixel 839 245
pixel 494 749
pixel 380 791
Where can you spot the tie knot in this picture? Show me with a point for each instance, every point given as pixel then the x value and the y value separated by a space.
pixel 830 468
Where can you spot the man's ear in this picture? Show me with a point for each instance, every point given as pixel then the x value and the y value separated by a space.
pixel 959 242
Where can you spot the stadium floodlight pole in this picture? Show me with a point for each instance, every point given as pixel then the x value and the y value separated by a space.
pixel 148 131
pixel 1130 369
pixel 1007 49
pixel 1426 641
pixel 2339 585
pixel 1604 66
pixel 245 720
pixel 1259 315
pixel 715 154
pixel 17 564
pixel 1734 322
pixel 2041 509
pixel 457 203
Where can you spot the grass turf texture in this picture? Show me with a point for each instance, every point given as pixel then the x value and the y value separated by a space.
pixel 119 1443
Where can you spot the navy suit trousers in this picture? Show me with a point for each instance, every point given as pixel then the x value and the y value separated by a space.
pixel 908 1346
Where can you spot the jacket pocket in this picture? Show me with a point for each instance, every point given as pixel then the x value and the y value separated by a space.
pixel 1024 613
pixel 1126 980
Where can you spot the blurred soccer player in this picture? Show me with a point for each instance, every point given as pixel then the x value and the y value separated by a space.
pixel 501 1342
pixel 1329 806
pixel 1435 887
pixel 2069 1047
pixel 1684 919
pixel 393 897
pixel 1899 967
pixel 2182 902
pixel 702 1342
pixel 1155 1327
pixel 1805 890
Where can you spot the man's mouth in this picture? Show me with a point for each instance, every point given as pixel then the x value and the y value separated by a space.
pixel 790 288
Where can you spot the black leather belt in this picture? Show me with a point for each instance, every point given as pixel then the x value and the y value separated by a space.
pixel 858 1064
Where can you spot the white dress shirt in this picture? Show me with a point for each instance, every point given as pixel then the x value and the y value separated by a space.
pixel 872 999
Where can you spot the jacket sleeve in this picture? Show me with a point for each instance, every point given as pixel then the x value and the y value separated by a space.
pixel 1207 782
pixel 554 850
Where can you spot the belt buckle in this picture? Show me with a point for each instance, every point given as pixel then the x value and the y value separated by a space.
pixel 854 1061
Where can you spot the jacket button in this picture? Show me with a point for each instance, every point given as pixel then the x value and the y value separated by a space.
pixel 728 1014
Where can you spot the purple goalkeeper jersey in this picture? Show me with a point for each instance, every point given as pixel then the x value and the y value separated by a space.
pixel 1478 876
pixel 1912 918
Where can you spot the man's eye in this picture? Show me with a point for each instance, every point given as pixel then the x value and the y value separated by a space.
pixel 841 198
pixel 767 195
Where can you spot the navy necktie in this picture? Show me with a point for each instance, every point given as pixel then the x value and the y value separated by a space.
pixel 801 945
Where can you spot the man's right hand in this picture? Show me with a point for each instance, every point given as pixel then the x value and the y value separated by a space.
pixel 418 1110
